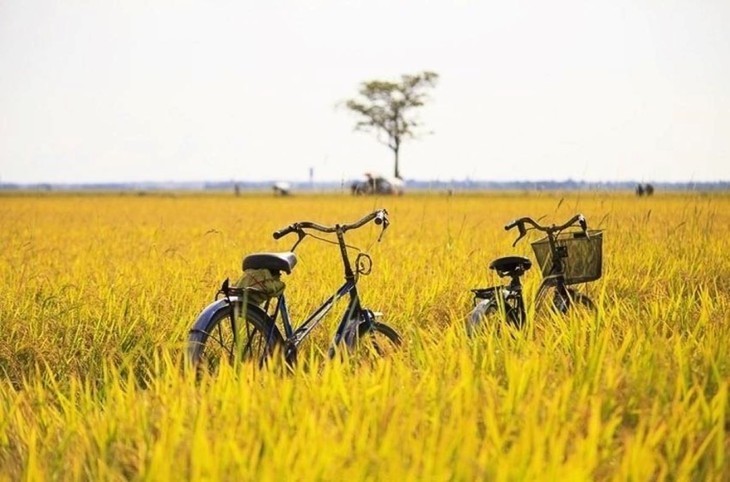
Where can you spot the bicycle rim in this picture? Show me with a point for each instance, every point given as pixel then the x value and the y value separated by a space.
pixel 487 315
pixel 570 301
pixel 254 343
pixel 376 340
pixel 579 302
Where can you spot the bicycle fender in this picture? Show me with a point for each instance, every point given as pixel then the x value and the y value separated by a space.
pixel 201 322
pixel 474 317
pixel 203 319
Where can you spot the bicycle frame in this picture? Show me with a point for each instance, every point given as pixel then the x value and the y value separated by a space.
pixel 508 298
pixel 295 335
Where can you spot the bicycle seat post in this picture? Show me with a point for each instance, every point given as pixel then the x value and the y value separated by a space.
pixel 515 284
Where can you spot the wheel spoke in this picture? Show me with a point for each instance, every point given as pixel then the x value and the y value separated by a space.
pixel 219 343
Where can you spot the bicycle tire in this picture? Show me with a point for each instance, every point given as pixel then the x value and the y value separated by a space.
pixel 581 299
pixel 214 345
pixel 377 338
pixel 487 313
pixel 575 300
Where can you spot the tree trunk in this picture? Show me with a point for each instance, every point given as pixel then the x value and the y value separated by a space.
pixel 397 169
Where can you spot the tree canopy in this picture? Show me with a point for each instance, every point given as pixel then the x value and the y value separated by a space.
pixel 388 109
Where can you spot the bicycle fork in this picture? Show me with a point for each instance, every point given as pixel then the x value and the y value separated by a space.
pixel 561 296
pixel 355 323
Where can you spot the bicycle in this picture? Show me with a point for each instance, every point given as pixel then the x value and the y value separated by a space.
pixel 566 257
pixel 217 336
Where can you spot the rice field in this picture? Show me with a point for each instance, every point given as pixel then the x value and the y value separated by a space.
pixel 98 292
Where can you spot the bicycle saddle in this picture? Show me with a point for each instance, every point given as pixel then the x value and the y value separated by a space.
pixel 510 265
pixel 273 261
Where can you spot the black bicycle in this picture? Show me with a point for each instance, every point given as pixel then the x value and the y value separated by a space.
pixel 566 256
pixel 241 325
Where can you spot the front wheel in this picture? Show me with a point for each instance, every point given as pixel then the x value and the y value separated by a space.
pixel 377 339
pixel 221 340
pixel 572 300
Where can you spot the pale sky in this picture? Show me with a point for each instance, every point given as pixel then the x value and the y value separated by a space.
pixel 103 91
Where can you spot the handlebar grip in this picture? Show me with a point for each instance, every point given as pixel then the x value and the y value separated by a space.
pixel 511 225
pixel 382 218
pixel 283 232
pixel 582 222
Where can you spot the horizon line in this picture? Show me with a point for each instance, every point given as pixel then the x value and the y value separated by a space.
pixel 304 183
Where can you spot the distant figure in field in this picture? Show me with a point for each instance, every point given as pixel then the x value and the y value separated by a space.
pixel 282 188
pixel 377 184
pixel 639 190
pixel 649 189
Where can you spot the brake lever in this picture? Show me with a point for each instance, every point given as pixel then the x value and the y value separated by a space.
pixel 523 232
pixel 300 236
pixel 583 225
pixel 386 223
pixel 516 240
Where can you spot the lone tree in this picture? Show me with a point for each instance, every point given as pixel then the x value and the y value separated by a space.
pixel 387 108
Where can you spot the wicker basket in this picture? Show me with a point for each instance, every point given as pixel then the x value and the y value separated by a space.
pixel 583 255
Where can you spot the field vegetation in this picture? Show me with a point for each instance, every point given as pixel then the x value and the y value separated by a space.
pixel 98 292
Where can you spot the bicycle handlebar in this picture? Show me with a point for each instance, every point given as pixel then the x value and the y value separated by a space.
pixel 550 230
pixel 380 216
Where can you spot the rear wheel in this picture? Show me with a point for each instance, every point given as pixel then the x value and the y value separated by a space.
pixel 253 338
pixel 487 313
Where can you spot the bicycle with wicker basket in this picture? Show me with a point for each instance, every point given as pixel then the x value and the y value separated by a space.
pixel 566 256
